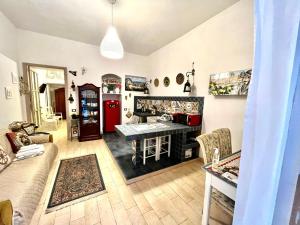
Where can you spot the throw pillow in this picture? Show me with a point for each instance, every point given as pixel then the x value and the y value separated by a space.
pixel 15 126
pixel 6 212
pixel 29 128
pixel 14 142
pixel 24 138
pixel 41 139
pixel 5 160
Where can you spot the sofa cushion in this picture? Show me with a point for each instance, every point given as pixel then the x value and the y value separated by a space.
pixel 15 143
pixel 23 182
pixel 5 160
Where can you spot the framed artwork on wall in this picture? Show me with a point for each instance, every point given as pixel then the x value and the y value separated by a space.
pixel 14 78
pixel 8 93
pixel 230 83
pixel 135 83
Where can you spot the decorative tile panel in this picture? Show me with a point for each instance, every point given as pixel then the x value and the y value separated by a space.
pixel 165 104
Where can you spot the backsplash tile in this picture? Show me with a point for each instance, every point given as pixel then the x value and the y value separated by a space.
pixel 164 104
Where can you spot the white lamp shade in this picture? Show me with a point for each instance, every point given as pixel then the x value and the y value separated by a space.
pixel 111 46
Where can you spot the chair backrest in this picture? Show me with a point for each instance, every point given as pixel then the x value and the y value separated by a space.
pixel 225 141
pixel 207 143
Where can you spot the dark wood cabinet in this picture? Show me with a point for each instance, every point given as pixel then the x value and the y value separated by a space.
pixel 89 112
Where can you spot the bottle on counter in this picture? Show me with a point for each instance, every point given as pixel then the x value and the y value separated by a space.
pixel 215 159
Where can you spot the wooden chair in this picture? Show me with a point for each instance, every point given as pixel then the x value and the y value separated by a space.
pixel 225 141
pixel 207 143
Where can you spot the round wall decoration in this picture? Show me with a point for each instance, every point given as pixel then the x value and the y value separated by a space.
pixel 166 81
pixel 156 82
pixel 179 78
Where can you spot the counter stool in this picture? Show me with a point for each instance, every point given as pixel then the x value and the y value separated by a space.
pixel 154 147
pixel 150 148
pixel 164 143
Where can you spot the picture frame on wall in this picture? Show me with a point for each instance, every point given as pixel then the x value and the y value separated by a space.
pixel 14 78
pixel 135 83
pixel 230 83
pixel 8 93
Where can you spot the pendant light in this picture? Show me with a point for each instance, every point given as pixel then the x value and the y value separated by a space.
pixel 111 46
pixel 187 85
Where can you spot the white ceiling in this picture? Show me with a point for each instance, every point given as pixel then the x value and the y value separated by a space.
pixel 143 25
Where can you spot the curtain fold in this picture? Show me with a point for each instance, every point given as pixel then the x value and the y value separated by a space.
pixel 270 161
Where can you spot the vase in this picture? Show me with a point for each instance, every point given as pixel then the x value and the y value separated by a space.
pixel 117 90
pixel 105 89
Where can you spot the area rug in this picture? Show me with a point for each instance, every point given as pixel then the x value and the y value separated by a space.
pixel 77 179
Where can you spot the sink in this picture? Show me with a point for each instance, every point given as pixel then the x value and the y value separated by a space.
pixel 142 127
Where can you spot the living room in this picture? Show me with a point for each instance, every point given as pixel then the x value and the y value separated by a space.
pixel 138 136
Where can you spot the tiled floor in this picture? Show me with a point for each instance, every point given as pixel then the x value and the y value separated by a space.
pixel 173 197
pixel 122 153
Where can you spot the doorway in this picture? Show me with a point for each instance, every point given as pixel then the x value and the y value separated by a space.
pixel 46 104
pixel 59 104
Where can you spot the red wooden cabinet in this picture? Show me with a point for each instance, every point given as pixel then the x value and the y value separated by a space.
pixel 89 112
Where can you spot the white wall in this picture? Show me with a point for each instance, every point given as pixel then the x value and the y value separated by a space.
pixel 223 43
pixel 10 108
pixel 8 37
pixel 44 49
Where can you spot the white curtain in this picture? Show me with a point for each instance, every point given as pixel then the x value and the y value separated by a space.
pixel 270 161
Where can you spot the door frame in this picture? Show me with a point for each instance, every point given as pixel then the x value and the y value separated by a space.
pixel 26 67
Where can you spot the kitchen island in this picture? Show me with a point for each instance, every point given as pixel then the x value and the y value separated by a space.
pixel 179 137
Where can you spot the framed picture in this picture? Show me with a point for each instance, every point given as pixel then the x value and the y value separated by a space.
pixel 135 83
pixel 14 78
pixel 230 83
pixel 8 93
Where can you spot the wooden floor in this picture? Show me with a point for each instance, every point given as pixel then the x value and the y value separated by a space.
pixel 173 197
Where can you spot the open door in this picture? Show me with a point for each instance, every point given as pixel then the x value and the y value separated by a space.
pixel 60 101
pixel 34 98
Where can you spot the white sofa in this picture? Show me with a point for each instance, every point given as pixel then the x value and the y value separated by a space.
pixel 23 182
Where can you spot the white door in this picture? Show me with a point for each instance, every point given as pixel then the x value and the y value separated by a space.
pixel 35 98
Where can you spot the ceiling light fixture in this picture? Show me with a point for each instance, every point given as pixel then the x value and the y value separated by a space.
pixel 187 85
pixel 111 46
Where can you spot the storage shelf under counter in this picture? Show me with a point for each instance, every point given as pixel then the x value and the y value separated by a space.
pixel 178 133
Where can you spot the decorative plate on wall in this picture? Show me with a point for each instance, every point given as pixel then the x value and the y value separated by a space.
pixel 156 82
pixel 179 78
pixel 166 81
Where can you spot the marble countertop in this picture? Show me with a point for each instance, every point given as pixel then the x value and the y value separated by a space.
pixel 147 130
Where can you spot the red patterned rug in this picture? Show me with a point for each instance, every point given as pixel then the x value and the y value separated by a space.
pixel 77 179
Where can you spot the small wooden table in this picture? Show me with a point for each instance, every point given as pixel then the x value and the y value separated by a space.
pixel 218 181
